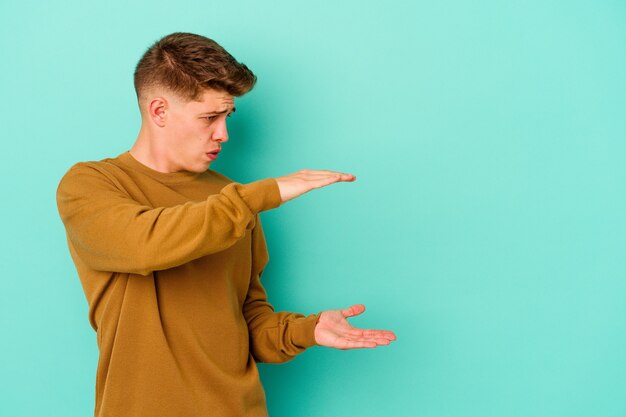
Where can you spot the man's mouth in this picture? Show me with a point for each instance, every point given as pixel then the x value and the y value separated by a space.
pixel 213 154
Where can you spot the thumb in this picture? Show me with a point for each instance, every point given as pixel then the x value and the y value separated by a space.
pixel 354 310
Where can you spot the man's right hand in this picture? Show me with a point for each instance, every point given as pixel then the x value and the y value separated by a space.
pixel 296 184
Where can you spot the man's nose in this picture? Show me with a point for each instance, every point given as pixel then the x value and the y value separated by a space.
pixel 221 132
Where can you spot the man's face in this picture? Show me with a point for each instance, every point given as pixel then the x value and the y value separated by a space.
pixel 197 129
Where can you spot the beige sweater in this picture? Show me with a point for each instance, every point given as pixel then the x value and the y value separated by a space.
pixel 171 264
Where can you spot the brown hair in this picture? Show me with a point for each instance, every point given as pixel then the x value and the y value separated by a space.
pixel 186 63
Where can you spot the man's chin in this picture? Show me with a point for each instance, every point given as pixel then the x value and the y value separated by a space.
pixel 205 166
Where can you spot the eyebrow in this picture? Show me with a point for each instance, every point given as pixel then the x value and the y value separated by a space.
pixel 219 112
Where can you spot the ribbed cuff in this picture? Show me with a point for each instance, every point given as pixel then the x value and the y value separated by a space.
pixel 303 330
pixel 260 195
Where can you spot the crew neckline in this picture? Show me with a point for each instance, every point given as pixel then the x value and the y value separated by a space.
pixel 180 176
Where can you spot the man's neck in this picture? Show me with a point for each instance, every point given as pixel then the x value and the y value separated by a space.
pixel 149 154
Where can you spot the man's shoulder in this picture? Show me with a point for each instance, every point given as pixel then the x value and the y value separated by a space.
pixel 87 166
pixel 104 168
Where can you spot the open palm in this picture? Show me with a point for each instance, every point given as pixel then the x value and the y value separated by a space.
pixel 333 330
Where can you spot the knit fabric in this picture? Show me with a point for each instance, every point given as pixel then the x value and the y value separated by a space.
pixel 170 264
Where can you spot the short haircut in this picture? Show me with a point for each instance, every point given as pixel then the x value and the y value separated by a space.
pixel 186 64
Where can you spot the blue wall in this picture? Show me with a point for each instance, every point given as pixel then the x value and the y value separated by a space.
pixel 486 226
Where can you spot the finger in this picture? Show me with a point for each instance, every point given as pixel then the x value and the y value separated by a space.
pixel 377 340
pixel 353 310
pixel 324 172
pixel 324 181
pixel 347 177
pixel 379 333
pixel 355 344
pixel 371 334
pixel 337 176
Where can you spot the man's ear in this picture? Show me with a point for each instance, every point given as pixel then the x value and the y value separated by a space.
pixel 157 110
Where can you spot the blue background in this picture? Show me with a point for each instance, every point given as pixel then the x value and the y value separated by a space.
pixel 486 226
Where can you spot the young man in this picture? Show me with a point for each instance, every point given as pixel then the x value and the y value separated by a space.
pixel 170 253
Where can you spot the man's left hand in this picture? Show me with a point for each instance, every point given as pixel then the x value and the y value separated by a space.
pixel 333 330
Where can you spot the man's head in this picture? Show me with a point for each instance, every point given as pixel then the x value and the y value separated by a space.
pixel 185 85
pixel 185 64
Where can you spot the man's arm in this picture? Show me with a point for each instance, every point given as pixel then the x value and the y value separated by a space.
pixel 275 337
pixel 112 232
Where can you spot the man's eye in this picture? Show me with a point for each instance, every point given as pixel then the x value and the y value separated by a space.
pixel 211 118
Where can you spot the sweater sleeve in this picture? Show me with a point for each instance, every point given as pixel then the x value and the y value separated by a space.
pixel 112 232
pixel 275 337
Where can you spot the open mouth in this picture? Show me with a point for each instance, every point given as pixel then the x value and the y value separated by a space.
pixel 213 155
